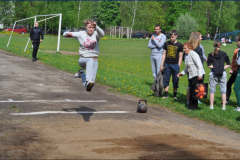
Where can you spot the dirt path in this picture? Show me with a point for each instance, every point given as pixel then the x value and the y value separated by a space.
pixel 111 128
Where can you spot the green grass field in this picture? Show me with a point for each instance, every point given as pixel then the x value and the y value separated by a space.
pixel 125 66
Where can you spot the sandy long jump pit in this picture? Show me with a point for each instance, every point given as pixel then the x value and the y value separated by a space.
pixel 72 137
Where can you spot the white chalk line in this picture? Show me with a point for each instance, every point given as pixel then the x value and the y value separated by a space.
pixel 66 100
pixel 64 112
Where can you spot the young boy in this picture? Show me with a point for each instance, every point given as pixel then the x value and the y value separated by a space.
pixel 172 58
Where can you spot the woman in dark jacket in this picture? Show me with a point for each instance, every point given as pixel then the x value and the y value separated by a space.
pixel 216 62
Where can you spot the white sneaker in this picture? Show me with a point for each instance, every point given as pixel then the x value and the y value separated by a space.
pixel 224 108
pixel 164 97
pixel 211 107
pixel 175 98
pixel 77 75
pixel 237 109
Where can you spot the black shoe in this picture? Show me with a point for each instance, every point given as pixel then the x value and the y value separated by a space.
pixel 34 59
pixel 225 104
pixel 89 86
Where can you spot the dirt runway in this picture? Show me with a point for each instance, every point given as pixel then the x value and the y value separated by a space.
pixel 46 114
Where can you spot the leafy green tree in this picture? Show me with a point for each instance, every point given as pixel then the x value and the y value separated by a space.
pixel 228 18
pixel 199 13
pixel 223 20
pixel 155 15
pixel 6 13
pixel 109 14
pixel 185 25
pixel 172 11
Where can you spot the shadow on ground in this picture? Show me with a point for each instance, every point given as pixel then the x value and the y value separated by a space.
pixel 86 116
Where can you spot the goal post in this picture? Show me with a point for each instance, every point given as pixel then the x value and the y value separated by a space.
pixel 14 27
pixel 35 20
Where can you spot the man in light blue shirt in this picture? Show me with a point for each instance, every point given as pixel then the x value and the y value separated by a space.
pixel 156 44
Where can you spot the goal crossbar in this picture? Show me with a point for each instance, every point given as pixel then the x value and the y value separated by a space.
pixel 35 20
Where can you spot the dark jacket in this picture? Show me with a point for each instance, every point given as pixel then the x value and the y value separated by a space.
pixel 35 33
pixel 218 61
pixel 157 85
pixel 198 50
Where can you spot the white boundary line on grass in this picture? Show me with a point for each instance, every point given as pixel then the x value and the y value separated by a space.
pixel 66 100
pixel 64 112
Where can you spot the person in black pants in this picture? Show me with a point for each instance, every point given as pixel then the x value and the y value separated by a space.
pixel 195 70
pixel 35 38
pixel 233 71
pixel 230 82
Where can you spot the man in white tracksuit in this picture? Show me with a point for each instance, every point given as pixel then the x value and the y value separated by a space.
pixel 156 45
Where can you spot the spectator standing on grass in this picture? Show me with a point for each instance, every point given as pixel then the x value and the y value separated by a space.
pixel 195 40
pixel 172 58
pixel 233 70
pixel 195 72
pixel 156 45
pixel 237 81
pixel 88 51
pixel 35 34
pixel 216 62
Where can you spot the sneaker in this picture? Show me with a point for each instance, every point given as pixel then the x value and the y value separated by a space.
pixel 211 107
pixel 34 59
pixel 224 108
pixel 89 86
pixel 77 75
pixel 237 109
pixel 164 97
pixel 199 102
pixel 175 98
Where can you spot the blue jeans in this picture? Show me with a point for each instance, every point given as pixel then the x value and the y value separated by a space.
pixel 91 67
pixel 156 64
pixel 171 69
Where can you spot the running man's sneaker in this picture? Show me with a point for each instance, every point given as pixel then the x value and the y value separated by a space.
pixel 164 97
pixel 237 109
pixel 224 108
pixel 211 107
pixel 77 75
pixel 89 86
pixel 175 98
pixel 34 59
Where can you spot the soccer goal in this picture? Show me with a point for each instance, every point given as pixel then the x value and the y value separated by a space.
pixel 35 20
pixel 121 31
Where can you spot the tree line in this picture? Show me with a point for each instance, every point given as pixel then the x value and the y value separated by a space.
pixel 210 16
